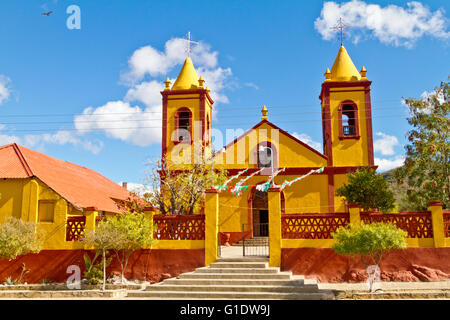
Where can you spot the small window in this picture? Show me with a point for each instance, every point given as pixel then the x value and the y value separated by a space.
pixel 348 121
pixel 46 210
pixel 183 125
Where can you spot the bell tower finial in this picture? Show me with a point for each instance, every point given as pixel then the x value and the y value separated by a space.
pixel 264 112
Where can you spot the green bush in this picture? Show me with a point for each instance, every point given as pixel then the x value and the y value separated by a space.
pixel 368 189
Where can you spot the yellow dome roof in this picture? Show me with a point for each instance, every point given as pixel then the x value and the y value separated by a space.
pixel 188 78
pixel 343 68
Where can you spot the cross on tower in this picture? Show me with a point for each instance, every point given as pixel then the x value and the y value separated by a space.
pixel 340 26
pixel 188 43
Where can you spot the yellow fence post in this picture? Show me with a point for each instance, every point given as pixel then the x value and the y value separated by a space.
pixel 354 213
pixel 274 199
pixel 91 215
pixel 437 220
pixel 211 225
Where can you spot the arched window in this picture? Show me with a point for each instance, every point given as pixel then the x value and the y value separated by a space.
pixel 348 120
pixel 183 126
pixel 266 155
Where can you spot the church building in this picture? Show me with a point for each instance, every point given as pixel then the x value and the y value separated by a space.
pixel 308 177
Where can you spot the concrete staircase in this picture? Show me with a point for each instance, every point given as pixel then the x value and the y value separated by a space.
pixel 234 278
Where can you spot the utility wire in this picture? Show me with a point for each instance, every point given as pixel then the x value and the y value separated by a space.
pixel 160 127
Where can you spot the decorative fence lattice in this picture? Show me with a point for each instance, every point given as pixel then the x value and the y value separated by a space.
pixel 312 225
pixel 417 223
pixel 177 227
pixel 75 228
pixel 446 223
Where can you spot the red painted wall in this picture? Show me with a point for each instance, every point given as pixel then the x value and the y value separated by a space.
pixel 411 264
pixel 151 265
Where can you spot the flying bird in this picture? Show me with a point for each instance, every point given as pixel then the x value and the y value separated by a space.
pixel 47 13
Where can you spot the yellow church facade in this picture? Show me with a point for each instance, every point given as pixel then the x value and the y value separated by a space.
pixel 266 149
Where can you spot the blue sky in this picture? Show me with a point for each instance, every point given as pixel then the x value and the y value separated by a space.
pixel 251 54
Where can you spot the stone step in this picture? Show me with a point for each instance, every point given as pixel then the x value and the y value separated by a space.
pixel 236 282
pixel 239 265
pixel 237 270
pixel 233 288
pixel 61 294
pixel 243 259
pixel 194 275
pixel 231 295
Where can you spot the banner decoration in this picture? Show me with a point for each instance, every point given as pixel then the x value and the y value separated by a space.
pixel 224 186
pixel 265 186
pixel 238 187
pixel 289 183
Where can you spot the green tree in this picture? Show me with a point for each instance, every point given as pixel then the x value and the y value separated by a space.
pixel 427 165
pixel 182 192
pixel 368 189
pixel 369 242
pixel 18 237
pixel 102 239
pixel 132 231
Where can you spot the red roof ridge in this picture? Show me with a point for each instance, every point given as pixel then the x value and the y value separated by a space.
pixel 275 127
pixel 22 159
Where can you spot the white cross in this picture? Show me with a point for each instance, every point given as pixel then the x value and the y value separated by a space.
pixel 188 45
pixel 341 27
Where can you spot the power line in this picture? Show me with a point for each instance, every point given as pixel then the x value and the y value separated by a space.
pixel 170 119
pixel 159 112
pixel 161 127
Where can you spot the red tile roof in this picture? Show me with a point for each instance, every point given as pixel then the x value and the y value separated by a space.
pixel 80 186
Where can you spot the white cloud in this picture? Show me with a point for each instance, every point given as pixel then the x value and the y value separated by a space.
pixel 146 92
pixel 150 61
pixel 61 137
pixel 6 139
pixel 386 144
pixel 390 24
pixel 5 90
pixel 119 120
pixel 216 80
pixel 251 85
pixel 138 188
pixel 142 125
pixel 308 140
pixel 388 164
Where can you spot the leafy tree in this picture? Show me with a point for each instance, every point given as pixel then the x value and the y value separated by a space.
pixel 18 237
pixel 131 231
pixel 182 191
pixel 369 242
pixel 368 189
pixel 102 239
pixel 427 165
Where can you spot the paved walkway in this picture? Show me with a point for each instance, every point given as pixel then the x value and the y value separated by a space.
pixel 389 286
pixel 236 252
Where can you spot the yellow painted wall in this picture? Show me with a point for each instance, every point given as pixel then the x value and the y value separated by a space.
pixel 305 196
pixel 339 181
pixel 11 198
pixel 192 102
pixel 289 152
pixel 349 152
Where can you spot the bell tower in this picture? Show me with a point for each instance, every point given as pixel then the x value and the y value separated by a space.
pixel 186 116
pixel 347 114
